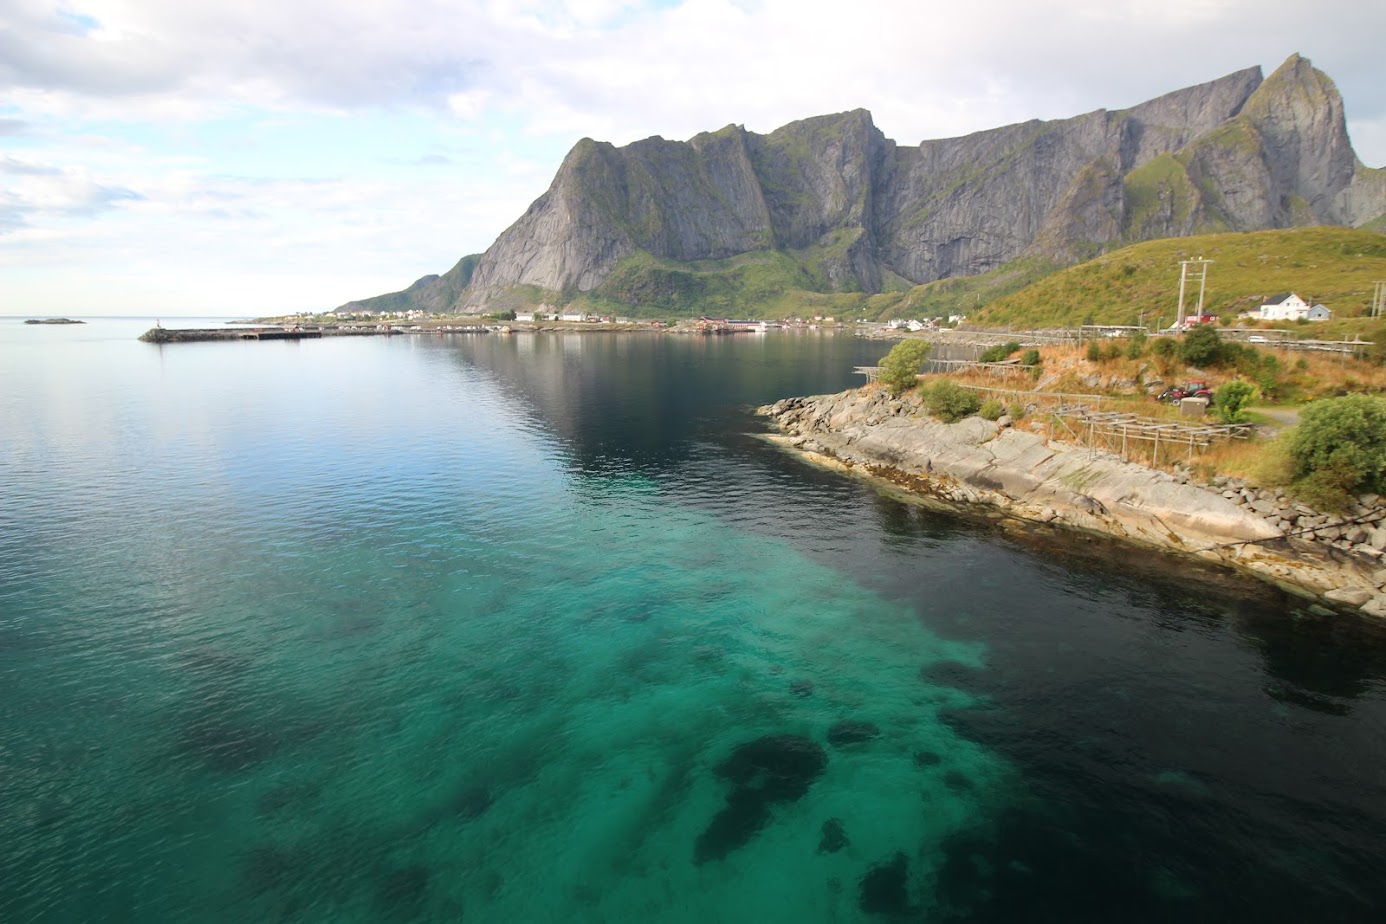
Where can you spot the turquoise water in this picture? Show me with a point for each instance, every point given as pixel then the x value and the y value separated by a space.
pixel 531 628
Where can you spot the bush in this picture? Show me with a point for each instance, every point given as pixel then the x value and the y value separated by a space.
pixel 1017 411
pixel 1094 353
pixel 1231 400
pixel 1164 348
pixel 1135 345
pixel 950 402
pixel 997 353
pixel 901 364
pixel 1112 352
pixel 991 409
pixel 1339 450
pixel 1030 358
pixel 1201 347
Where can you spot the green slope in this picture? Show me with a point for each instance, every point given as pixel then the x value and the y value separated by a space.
pixel 1335 266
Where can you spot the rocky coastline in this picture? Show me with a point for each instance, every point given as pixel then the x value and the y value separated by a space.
pixel 867 432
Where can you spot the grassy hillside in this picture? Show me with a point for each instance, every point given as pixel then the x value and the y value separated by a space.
pixel 1335 266
pixel 762 284
pixel 431 293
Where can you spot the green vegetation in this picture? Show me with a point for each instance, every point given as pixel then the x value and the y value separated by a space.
pixel 999 352
pixel 1201 347
pixel 1339 450
pixel 949 401
pixel 1335 266
pixel 991 409
pixel 964 295
pixel 1030 358
pixel 900 366
pixel 1150 189
pixel 1231 399
pixel 1135 345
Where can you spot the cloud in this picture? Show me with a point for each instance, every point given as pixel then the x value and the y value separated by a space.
pixel 621 70
pixel 40 192
pixel 257 137
pixel 16 167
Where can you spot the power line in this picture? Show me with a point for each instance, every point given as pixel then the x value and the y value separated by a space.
pixel 1202 271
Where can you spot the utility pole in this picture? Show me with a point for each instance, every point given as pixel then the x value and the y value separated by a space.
pixel 1201 268
pixel 1379 300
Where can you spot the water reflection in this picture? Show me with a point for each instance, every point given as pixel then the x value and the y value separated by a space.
pixel 639 400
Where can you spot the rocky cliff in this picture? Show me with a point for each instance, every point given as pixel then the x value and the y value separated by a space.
pixel 829 204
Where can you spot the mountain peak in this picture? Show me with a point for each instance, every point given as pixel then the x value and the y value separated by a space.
pixel 829 204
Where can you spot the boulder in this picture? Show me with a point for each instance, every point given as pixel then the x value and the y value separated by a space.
pixel 1352 596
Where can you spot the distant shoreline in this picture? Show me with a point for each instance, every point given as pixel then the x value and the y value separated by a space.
pixel 53 321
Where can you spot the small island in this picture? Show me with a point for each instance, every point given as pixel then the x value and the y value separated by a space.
pixel 53 321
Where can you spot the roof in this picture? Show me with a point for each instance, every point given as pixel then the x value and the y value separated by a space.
pixel 1279 298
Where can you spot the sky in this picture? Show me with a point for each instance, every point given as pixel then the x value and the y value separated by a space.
pixel 206 158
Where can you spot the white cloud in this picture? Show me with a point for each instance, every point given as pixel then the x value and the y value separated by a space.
pixel 200 108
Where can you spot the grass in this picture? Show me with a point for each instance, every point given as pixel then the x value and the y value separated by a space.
pixel 1335 266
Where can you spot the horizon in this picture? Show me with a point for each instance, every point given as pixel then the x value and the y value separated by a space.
pixel 149 163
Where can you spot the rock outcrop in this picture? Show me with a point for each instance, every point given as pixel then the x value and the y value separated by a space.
pixel 977 461
pixel 831 204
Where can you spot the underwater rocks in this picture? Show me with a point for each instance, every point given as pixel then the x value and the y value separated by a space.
pixel 471 803
pixel 801 688
pixel 882 889
pixel 851 731
pixel 834 836
pixel 768 770
pixel 927 759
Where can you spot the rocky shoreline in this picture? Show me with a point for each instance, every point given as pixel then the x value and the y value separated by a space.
pixel 866 431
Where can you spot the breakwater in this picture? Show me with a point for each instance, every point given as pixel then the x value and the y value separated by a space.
pixel 199 335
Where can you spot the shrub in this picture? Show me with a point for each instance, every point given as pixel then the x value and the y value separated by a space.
pixel 1112 352
pixel 991 409
pixel 1201 347
pixel 1164 348
pixel 901 364
pixel 1094 352
pixel 997 353
pixel 1339 449
pixel 1135 345
pixel 1030 358
pixel 1230 401
pixel 1017 411
pixel 950 402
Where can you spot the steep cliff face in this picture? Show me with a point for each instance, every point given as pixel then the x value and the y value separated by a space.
pixel 838 207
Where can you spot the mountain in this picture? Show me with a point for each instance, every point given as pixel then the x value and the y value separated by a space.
pixel 430 293
pixel 830 205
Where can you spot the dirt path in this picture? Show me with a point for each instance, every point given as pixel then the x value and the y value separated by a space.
pixel 1285 416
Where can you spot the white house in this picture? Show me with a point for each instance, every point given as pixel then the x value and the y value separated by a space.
pixel 1288 307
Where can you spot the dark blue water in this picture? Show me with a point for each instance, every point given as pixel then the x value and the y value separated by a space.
pixel 534 628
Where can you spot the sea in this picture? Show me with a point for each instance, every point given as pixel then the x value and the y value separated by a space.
pixel 539 627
